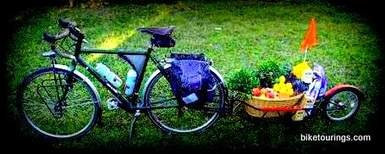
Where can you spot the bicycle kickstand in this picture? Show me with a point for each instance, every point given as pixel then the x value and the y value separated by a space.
pixel 136 116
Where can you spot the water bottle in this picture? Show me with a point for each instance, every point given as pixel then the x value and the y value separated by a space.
pixel 107 74
pixel 130 82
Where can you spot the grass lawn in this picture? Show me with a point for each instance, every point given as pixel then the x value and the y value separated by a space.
pixel 233 35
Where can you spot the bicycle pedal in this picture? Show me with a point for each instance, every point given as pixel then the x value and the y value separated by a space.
pixel 184 108
pixel 112 103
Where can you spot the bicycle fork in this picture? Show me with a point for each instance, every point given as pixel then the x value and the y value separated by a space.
pixel 56 106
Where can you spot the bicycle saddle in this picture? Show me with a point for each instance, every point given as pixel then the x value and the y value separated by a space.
pixel 163 31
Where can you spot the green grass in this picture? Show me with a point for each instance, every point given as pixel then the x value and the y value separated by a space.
pixel 233 35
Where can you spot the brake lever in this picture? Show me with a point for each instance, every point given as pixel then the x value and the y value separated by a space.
pixel 85 41
pixel 76 39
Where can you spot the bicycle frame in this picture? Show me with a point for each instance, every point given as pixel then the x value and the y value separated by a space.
pixel 127 103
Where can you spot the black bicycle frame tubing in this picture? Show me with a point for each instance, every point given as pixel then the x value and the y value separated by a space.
pixel 139 79
pixel 103 81
pixel 157 63
pixel 141 74
pixel 106 51
pixel 78 46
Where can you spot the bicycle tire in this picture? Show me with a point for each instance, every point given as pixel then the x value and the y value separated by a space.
pixel 330 102
pixel 163 125
pixel 38 126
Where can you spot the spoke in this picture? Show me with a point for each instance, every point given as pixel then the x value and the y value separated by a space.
pixel 40 104
pixel 80 100
pixel 35 102
pixel 73 117
pixel 174 117
pixel 34 109
pixel 165 106
pixel 337 107
pixel 47 105
pixel 333 102
pixel 162 101
pixel 337 113
pixel 81 104
pixel 333 110
pixel 38 113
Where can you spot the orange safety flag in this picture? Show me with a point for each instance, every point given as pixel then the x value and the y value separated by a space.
pixel 310 39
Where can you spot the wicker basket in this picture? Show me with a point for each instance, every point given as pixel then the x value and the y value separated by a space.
pixel 258 102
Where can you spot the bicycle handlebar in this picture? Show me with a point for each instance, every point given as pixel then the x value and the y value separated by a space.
pixel 69 29
pixel 65 23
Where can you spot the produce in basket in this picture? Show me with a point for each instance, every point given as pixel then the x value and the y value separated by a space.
pixel 285 93
pixel 284 90
pixel 289 82
pixel 264 93
pixel 256 92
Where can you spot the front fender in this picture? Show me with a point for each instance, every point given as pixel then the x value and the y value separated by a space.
pixel 341 87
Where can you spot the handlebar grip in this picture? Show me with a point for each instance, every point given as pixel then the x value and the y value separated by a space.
pixel 52 39
pixel 71 26
pixel 49 38
pixel 66 23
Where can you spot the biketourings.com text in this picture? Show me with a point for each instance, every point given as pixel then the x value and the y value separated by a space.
pixel 335 138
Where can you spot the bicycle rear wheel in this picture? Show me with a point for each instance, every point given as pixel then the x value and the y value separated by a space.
pixel 168 115
pixel 58 104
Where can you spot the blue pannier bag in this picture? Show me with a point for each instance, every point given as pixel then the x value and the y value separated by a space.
pixel 191 79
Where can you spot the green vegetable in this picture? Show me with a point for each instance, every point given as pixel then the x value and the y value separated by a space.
pixel 268 71
pixel 243 80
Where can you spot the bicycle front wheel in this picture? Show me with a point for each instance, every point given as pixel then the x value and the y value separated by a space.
pixel 57 103
pixel 170 116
